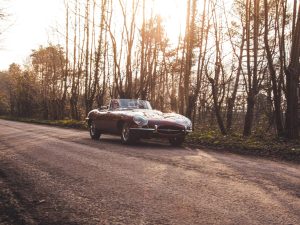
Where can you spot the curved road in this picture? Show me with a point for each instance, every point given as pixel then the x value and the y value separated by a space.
pixel 50 175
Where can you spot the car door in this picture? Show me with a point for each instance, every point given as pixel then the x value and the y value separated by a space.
pixel 107 121
pixel 100 120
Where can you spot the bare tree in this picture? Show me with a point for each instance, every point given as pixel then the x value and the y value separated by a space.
pixel 292 79
pixel 101 51
pixel 130 34
pixel 203 41
pixel 217 82
pixel 252 76
pixel 276 86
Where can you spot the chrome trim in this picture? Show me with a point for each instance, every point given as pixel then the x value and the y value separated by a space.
pixel 157 130
pixel 144 129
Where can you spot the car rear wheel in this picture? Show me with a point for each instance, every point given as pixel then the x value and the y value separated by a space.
pixel 94 132
pixel 126 136
pixel 176 141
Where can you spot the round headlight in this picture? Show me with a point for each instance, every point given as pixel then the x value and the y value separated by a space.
pixel 189 123
pixel 140 120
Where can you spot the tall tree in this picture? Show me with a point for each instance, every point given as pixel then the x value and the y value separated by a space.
pixel 101 51
pixel 276 87
pixel 190 44
pixel 292 79
pixel 49 66
pixel 217 82
pixel 252 76
pixel 75 74
pixel 202 45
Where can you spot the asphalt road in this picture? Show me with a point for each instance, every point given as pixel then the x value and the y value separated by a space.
pixel 50 175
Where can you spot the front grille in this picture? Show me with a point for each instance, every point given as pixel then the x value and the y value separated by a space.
pixel 169 130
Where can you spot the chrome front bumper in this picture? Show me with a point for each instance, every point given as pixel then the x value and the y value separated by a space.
pixel 158 131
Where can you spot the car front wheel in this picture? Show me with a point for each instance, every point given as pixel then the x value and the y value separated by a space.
pixel 126 136
pixel 94 132
pixel 176 141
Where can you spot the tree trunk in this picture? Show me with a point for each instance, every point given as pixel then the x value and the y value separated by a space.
pixel 231 100
pixel 272 71
pixel 252 77
pixel 249 116
pixel 292 84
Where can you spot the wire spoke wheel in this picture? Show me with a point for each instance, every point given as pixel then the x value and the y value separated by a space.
pixel 127 137
pixel 126 133
pixel 94 132
pixel 93 128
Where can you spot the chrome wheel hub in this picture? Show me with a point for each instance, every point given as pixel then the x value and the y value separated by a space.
pixel 125 133
pixel 93 128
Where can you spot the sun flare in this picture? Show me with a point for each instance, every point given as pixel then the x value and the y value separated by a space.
pixel 173 13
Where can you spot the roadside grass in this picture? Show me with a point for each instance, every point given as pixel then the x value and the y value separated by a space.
pixel 261 144
pixel 67 123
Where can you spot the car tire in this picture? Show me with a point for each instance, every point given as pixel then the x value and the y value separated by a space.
pixel 176 141
pixel 126 136
pixel 94 132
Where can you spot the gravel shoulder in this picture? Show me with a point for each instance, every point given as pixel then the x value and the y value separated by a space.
pixel 50 175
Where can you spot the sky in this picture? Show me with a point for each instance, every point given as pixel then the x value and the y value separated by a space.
pixel 32 23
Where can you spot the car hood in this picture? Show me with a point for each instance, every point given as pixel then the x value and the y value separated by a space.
pixel 158 115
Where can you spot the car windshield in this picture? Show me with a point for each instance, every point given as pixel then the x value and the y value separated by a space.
pixel 123 104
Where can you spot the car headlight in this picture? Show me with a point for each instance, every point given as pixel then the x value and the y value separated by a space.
pixel 189 124
pixel 140 120
pixel 184 121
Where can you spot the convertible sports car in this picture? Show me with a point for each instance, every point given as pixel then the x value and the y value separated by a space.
pixel 134 119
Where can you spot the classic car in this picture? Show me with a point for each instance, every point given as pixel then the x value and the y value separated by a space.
pixel 134 119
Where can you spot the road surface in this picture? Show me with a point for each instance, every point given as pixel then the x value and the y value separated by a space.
pixel 50 175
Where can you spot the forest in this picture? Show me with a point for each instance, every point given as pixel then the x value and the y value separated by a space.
pixel 234 67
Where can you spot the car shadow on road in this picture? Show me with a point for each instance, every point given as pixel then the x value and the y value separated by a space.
pixel 159 144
